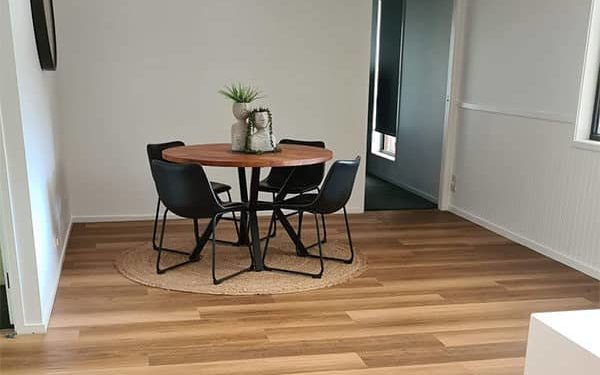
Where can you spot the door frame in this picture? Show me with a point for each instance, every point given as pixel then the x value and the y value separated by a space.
pixel 11 231
pixel 7 234
pixel 452 98
pixel 452 111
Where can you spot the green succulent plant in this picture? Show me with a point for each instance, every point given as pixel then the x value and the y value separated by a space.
pixel 240 93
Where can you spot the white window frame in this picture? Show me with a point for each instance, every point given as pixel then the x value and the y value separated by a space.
pixel 589 83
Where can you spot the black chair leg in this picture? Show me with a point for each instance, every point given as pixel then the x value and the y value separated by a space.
pixel 320 247
pixel 274 234
pixel 324 229
pixel 217 281
pixel 300 217
pixel 161 249
pixel 235 223
pixel 324 240
pixel 154 245
pixel 323 221
pixel 313 275
pixel 349 260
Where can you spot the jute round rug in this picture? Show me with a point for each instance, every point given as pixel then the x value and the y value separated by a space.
pixel 139 264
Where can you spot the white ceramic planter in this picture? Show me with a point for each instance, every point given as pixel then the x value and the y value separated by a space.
pixel 260 140
pixel 261 120
pixel 240 111
pixel 239 130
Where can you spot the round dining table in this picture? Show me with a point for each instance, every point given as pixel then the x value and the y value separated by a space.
pixel 220 155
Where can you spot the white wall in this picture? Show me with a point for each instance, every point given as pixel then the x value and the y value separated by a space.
pixel 517 170
pixel 140 71
pixel 421 116
pixel 37 208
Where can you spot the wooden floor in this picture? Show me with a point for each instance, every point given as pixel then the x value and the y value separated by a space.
pixel 441 296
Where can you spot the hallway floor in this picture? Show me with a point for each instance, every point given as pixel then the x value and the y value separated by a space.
pixel 380 195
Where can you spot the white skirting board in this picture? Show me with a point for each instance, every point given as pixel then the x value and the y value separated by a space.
pixel 522 240
pixel 142 217
pixel 42 327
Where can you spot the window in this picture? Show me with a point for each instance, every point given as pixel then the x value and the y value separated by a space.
pixel 383 145
pixel 388 144
pixel 386 67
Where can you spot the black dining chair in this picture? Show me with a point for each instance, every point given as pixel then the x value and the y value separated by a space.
pixel 184 189
pixel 304 179
pixel 154 152
pixel 333 196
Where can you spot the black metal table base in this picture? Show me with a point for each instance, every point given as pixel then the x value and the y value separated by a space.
pixel 248 228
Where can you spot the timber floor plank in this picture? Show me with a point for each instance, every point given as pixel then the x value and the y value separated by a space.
pixel 441 296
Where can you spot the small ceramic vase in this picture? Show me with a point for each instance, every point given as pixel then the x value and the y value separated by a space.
pixel 239 129
pixel 260 140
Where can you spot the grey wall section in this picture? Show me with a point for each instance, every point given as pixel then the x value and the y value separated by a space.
pixel 421 117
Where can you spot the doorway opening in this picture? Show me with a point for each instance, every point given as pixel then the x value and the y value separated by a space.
pixel 410 55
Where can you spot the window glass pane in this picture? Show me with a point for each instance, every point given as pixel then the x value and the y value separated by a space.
pixel 389 144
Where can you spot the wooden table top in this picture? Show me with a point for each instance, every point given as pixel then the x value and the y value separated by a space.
pixel 220 155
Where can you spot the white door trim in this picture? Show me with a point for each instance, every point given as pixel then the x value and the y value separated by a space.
pixel 453 90
pixel 15 223
pixel 7 234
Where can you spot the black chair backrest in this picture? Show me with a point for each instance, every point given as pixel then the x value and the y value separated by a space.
pixel 155 150
pixel 184 189
pixel 337 187
pixel 305 176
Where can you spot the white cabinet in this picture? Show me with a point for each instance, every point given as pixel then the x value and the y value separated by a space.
pixel 564 343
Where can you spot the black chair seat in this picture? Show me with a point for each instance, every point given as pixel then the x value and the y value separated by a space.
pixel 266 186
pixel 299 201
pixel 219 187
